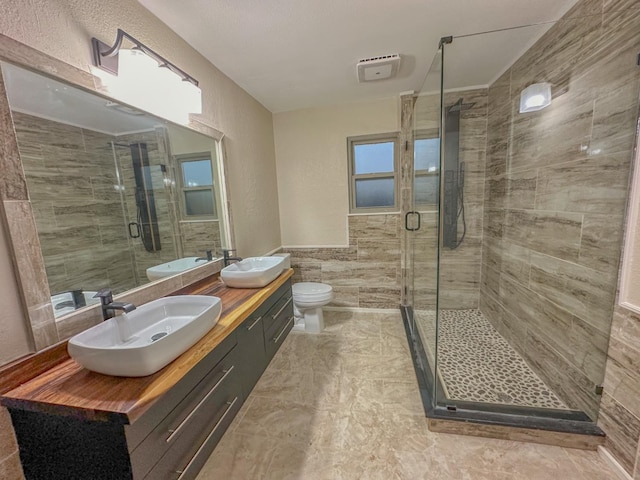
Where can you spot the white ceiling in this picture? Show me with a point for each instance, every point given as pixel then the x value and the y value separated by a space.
pixel 292 54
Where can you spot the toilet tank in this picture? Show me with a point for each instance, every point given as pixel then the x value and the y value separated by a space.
pixel 287 259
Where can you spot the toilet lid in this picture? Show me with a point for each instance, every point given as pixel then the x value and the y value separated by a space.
pixel 310 288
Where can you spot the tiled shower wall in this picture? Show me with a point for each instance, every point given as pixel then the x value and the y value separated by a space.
pixel 70 174
pixel 556 186
pixel 164 200
pixel 459 269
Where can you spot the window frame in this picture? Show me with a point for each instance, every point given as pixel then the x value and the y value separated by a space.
pixel 426 135
pixel 193 157
pixel 367 140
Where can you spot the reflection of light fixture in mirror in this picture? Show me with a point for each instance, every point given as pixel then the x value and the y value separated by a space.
pixel 535 97
pixel 147 80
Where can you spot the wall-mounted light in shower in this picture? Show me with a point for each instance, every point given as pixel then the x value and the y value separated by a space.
pixel 535 97
pixel 146 79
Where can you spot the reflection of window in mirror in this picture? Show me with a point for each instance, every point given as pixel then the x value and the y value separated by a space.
pixel 197 187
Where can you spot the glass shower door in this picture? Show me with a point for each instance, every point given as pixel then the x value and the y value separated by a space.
pixel 423 220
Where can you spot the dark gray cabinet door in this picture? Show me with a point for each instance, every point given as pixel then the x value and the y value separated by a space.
pixel 253 359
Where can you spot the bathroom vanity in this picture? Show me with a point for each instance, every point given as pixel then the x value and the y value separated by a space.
pixel 75 424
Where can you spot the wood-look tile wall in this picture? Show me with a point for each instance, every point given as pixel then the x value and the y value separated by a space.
pixel 199 236
pixel 164 200
pixel 71 176
pixel 459 273
pixel 556 187
pixel 620 407
pixel 367 273
pixel 459 269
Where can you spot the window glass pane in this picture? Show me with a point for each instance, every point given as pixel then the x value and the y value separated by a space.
pixel 425 189
pixel 197 173
pixel 426 154
pixel 199 202
pixel 375 192
pixel 373 158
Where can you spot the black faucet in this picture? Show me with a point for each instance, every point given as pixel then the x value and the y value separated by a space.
pixel 109 306
pixel 227 258
pixel 208 258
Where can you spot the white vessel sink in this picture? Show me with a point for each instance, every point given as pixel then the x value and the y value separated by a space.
pixel 141 342
pixel 172 268
pixel 252 272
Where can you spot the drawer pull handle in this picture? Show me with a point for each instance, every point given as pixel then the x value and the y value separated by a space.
pixel 274 316
pixel 175 431
pixel 276 339
pixel 215 428
pixel 254 323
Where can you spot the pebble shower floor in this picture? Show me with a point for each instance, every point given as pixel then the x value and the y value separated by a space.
pixel 477 364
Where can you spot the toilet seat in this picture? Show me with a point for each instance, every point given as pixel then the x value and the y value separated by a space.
pixel 307 294
pixel 310 288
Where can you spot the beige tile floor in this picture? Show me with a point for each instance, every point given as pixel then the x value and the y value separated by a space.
pixel 345 405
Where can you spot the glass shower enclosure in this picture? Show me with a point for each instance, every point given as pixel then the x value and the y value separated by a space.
pixel 512 267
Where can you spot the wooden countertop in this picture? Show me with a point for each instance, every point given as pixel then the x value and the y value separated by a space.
pixel 69 389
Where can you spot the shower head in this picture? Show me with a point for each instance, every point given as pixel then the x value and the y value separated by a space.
pixel 459 106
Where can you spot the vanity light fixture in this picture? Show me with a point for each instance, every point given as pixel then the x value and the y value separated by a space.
pixel 144 69
pixel 535 97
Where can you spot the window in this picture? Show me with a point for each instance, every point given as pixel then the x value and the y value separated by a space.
pixel 372 173
pixel 196 183
pixel 426 162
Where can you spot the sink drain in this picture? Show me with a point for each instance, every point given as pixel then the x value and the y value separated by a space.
pixel 158 336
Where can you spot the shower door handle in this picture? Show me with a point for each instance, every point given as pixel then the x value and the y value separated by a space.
pixel 406 221
pixel 137 230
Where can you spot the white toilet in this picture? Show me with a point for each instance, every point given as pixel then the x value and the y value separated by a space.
pixel 308 300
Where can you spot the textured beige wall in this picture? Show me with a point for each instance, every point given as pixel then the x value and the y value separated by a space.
pixel 311 147
pixel 63 29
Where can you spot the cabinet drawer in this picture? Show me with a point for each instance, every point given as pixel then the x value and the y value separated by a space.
pixel 191 451
pixel 283 307
pixel 137 432
pixel 277 335
pixel 192 417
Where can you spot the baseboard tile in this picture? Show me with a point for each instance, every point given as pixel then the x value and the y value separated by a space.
pixel 613 463
pixel 519 434
pixel 361 309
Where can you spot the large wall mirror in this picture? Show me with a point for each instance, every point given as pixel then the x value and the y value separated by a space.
pixel 120 197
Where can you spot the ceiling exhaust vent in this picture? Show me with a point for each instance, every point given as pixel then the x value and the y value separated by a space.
pixel 378 68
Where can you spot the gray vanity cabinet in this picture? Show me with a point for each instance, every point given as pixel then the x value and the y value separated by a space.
pixel 278 322
pixel 251 347
pixel 256 335
pixel 174 437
